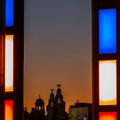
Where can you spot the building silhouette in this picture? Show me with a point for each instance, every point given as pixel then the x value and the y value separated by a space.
pixel 37 113
pixel 56 106
pixel 26 114
pixel 80 111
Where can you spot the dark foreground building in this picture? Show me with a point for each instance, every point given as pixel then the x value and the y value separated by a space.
pixel 56 106
pixel 37 113
pixel 80 111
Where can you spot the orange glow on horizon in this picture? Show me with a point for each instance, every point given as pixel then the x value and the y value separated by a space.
pixel 8 109
pixel 107 116
pixel 107 82
pixel 8 63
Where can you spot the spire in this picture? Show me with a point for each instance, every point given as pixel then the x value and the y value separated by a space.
pixel 52 90
pixel 59 90
pixel 51 95
pixel 58 85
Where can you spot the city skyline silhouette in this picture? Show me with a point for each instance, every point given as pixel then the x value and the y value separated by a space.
pixel 56 108
pixel 57 49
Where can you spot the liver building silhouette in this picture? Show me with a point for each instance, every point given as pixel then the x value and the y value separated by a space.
pixel 56 106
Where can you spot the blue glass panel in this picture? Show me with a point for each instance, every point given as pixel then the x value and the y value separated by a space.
pixel 9 13
pixel 107 31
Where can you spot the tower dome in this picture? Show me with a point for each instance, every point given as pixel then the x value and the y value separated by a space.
pixel 59 90
pixel 39 104
pixel 52 95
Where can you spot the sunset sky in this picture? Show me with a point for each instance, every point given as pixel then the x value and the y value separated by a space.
pixel 57 49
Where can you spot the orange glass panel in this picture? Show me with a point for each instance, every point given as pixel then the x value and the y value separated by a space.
pixel 107 82
pixel 8 63
pixel 8 109
pixel 107 116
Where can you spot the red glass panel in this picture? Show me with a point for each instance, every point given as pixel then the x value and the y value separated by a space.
pixel 107 116
pixel 8 109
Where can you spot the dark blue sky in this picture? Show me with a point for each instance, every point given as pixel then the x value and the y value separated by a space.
pixel 57 49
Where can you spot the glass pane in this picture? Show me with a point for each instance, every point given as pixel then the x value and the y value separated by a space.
pixel 107 82
pixel 107 31
pixel 8 63
pixel 107 116
pixel 8 109
pixel 9 13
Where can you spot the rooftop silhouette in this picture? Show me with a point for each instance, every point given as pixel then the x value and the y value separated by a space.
pixel 55 108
